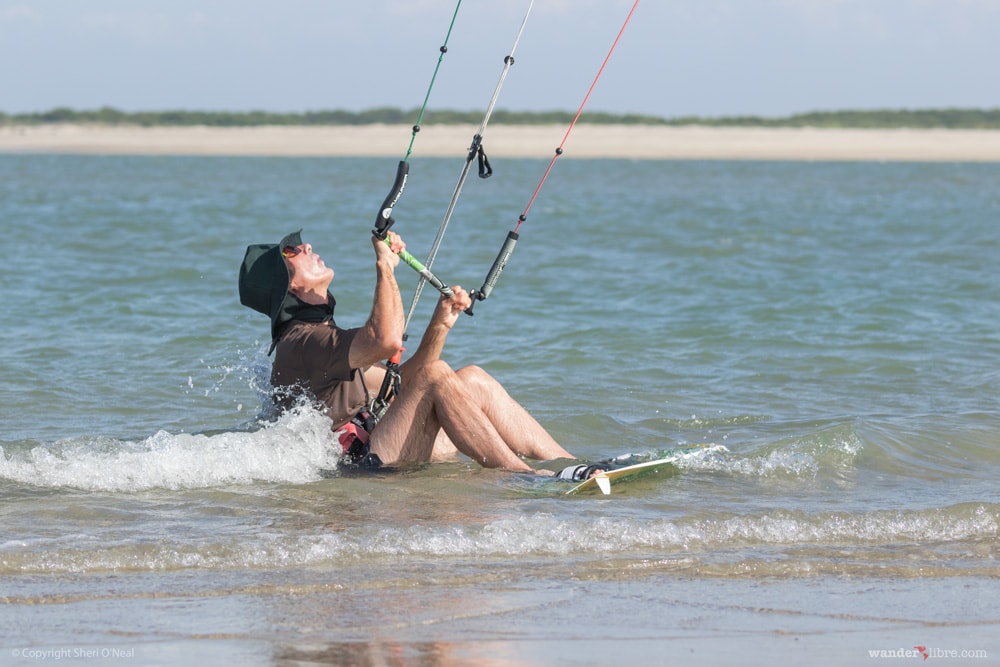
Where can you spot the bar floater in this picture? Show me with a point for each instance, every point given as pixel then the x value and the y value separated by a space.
pixel 494 273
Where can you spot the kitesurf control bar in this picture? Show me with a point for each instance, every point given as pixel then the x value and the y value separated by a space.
pixel 384 218
pixel 424 272
pixel 494 274
pixel 384 221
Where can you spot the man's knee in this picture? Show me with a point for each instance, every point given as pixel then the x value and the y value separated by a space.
pixel 474 378
pixel 438 379
pixel 474 374
pixel 437 371
pixel 471 381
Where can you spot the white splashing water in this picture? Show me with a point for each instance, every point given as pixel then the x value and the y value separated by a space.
pixel 296 448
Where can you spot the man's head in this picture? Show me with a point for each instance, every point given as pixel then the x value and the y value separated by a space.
pixel 278 279
pixel 309 277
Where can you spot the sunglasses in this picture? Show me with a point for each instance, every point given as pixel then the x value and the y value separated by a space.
pixel 290 251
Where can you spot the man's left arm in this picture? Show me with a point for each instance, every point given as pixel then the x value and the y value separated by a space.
pixel 444 318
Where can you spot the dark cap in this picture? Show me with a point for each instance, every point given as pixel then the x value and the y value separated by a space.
pixel 264 279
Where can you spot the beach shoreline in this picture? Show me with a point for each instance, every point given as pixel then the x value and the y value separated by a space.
pixel 514 141
pixel 319 616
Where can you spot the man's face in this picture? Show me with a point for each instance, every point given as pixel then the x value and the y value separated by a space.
pixel 306 269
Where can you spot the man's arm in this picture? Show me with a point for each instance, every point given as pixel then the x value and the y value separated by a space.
pixel 382 335
pixel 444 317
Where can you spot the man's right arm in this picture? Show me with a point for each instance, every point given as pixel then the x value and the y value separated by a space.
pixel 382 335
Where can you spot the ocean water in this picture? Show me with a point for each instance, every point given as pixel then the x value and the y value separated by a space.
pixel 832 326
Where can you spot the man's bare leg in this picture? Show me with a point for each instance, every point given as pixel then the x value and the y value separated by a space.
pixel 444 448
pixel 436 399
pixel 516 426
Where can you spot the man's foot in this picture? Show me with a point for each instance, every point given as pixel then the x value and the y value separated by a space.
pixel 580 472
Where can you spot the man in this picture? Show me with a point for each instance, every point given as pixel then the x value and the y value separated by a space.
pixel 437 411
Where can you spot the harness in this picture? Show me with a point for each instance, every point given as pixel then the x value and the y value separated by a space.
pixel 389 389
pixel 354 435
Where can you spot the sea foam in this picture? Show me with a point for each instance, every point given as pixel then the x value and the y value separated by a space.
pixel 296 448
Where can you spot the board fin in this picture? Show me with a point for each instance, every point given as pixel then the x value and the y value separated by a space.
pixel 603 483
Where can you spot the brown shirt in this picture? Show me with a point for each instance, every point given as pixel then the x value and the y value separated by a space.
pixel 312 357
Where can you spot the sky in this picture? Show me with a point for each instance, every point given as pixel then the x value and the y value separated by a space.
pixel 675 58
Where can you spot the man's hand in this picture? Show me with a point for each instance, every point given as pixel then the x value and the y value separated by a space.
pixel 450 307
pixel 432 343
pixel 389 248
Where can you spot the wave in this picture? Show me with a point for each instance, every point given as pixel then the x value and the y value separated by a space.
pixel 298 447
pixel 926 448
pixel 960 537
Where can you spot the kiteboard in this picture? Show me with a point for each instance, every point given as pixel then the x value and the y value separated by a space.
pixel 602 481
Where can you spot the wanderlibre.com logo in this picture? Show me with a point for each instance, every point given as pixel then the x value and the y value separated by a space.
pixel 925 652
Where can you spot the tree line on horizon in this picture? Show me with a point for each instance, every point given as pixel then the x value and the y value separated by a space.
pixel 950 118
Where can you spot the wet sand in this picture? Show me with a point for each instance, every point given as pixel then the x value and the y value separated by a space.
pixel 319 616
pixel 538 141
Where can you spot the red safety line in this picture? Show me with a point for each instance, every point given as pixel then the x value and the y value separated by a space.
pixel 559 149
